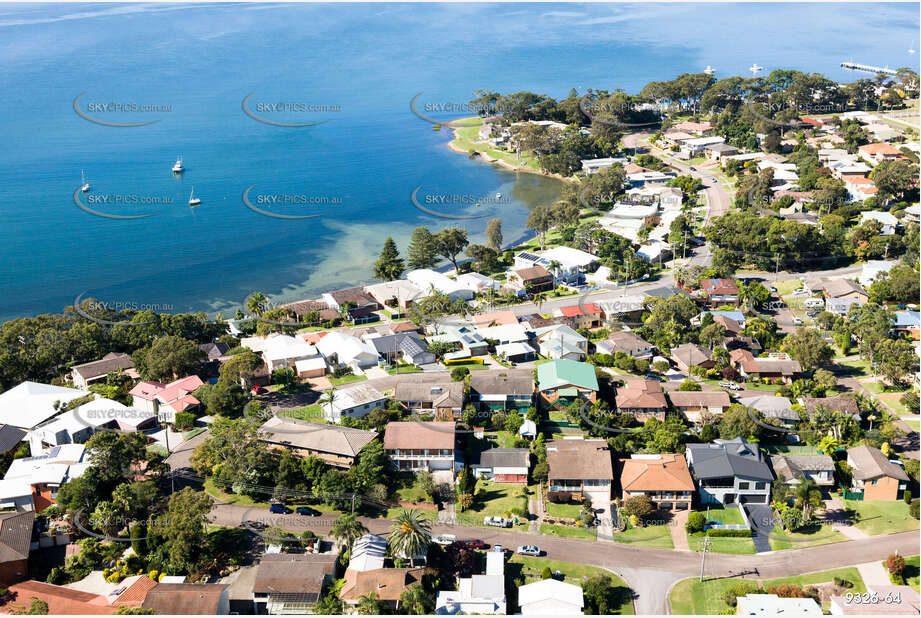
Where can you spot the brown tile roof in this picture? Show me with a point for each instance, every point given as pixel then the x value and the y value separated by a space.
pixel 732 327
pixel 579 459
pixel 628 342
pixel 665 472
pixel 496 318
pixel 489 383
pixel 832 404
pixel 108 363
pixel 691 354
pixel 355 295
pixel 15 535
pixel 178 599
pixel 703 399
pixel 135 593
pixel 532 273
pixel 438 394
pixel 302 307
pixel 719 286
pixel 869 463
pixel 386 584
pixel 293 573
pixel 60 600
pixel 640 394
pixel 835 288
pixel 745 359
pixel 404 327
pixel 421 435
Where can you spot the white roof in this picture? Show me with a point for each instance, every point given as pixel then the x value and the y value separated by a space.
pixel 781 174
pixel 872 269
pixel 425 279
pixel 514 349
pixel 347 347
pixel 282 347
pixel 368 553
pixel 632 211
pixel 354 396
pixel 309 364
pixel 495 563
pixel 51 467
pixel 772 605
pixel 703 141
pixel 401 289
pixel 15 488
pixel 569 257
pixel 886 218
pixel 30 403
pixel 550 589
pixel 476 281
pixel 556 332
pixel 504 332
pixel 622 304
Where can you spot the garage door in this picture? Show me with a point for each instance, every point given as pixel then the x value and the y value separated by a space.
pixel 752 499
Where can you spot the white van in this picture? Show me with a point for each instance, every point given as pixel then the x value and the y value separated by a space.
pixel 813 303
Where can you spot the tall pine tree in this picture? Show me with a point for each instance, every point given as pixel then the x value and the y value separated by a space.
pixel 422 252
pixel 389 265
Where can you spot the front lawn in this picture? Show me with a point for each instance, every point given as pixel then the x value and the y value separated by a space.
pixel 563 510
pixel 222 496
pixel 723 515
pixel 911 571
pixel 497 500
pixel 648 536
pixel 401 369
pixel 571 573
pixel 569 532
pixel 817 534
pixel 346 379
pixel 882 516
pixel 313 412
pixel 690 596
pixel 916 425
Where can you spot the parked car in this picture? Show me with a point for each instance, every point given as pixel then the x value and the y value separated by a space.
pixel 279 508
pixel 306 510
pixel 444 539
pixel 797 321
pixel 497 548
pixel 528 550
pixel 772 288
pixel 813 313
pixel 475 544
pixel 498 522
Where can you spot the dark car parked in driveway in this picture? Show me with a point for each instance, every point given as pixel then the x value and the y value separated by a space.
pixel 306 510
pixel 279 508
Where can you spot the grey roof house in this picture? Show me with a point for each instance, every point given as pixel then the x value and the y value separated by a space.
pixel 407 346
pixel 503 465
pixel 772 406
pixel 730 472
pixel 819 468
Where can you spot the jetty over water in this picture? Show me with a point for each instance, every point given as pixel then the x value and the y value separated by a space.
pixel 856 66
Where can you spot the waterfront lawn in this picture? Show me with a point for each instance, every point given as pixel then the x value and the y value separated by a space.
pixel 911 571
pixel 648 536
pixel 563 510
pixel 690 596
pixel 882 516
pixel 346 379
pixel 569 532
pixel 468 134
pixel 530 569
pixel 817 534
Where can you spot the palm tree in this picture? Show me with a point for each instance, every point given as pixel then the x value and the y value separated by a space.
pixel 410 535
pixel 415 601
pixel 327 398
pixel 255 304
pixel 554 267
pixel 807 495
pixel 539 299
pixel 347 529
pixel 368 605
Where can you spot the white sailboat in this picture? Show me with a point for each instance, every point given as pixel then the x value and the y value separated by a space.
pixel 193 201
pixel 84 185
pixel 709 70
pixel 178 168
pixel 755 68
pixel 911 49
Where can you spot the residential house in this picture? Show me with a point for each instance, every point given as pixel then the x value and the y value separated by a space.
pixel 518 352
pixel 841 306
pixel 471 342
pixel 368 553
pixel 414 446
pixel 61 600
pixel 642 399
pixel 690 355
pixel 847 405
pixel 291 583
pixel 497 318
pixel 399 294
pixel 663 478
pixel 674 137
pixel 623 309
pixel 354 297
pixel 491 391
pixel 180 599
pixel 772 605
pixel 874 154
pixel 479 283
pixel 793 468
pixel 504 333
pixel 776 368
pixel 550 597
pixel 561 382
pixel 337 446
pixel 694 147
pixel 283 351
pixel 699 406
pixel 736 316
pixel 477 594
pixel 720 291
pixel 842 288
pixel 503 465
pixel 906 322
pixel 580 467
pixel 426 280
pixel 165 400
pixel 697 128
pixel 846 169
pixel 772 407
pixel 354 401
pixel 15 542
pixel 731 327
pixel 873 269
pixel 96 371
pixel 443 400
pixel 859 188
pixel 79 424
pixel 342 350
pixel 581 316
pixel 386 584
pixel 730 472
pixel 573 263
pixel 627 342
pixel 879 601
pixel 32 483
pixel 561 342
pixel 408 347
pixel 303 309
pixel 590 166
pixel 532 280
pixel 29 404
pixel 10 437
pixel 719 152
pixel 874 475
pixel 888 224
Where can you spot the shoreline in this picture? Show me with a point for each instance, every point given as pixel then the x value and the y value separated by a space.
pixel 500 162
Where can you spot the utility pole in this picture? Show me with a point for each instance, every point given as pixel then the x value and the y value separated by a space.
pixel 703 549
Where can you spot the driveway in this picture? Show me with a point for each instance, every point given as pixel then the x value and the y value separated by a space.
pixel 761 518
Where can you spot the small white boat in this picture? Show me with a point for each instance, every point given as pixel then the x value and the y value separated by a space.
pixel 498 196
pixel 911 49
pixel 84 185
pixel 193 201
pixel 709 70
pixel 178 168
pixel 755 68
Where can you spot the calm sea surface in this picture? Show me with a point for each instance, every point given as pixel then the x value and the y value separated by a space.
pixel 362 64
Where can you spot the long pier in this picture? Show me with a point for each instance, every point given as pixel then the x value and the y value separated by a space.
pixel 856 66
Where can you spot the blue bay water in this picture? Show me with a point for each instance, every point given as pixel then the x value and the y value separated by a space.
pixel 370 60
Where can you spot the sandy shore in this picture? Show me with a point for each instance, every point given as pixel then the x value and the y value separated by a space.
pixel 505 164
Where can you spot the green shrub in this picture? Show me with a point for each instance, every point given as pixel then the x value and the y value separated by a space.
pixel 844 583
pixel 546 573
pixel 696 522
pixel 459 373
pixel 907 496
pixel 913 508
pixel 736 534
pixel 185 420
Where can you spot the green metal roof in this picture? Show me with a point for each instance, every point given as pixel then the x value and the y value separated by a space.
pixel 565 372
pixel 568 392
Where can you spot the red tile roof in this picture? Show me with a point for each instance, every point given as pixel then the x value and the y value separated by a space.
pixel 577 310
pixel 60 600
